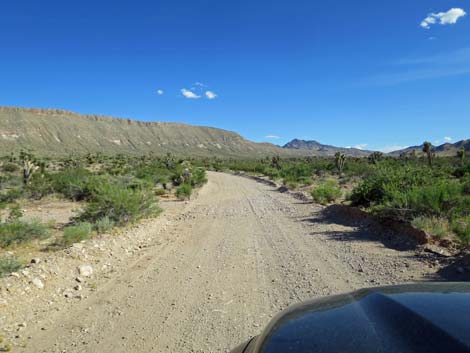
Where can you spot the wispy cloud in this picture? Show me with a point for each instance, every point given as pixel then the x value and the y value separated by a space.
pixel 272 137
pixel 444 64
pixel 210 95
pixel 455 57
pixel 448 139
pixel 160 92
pixel 361 146
pixel 443 18
pixel 199 84
pixel 189 94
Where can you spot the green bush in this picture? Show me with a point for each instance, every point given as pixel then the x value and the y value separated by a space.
pixel 11 195
pixel 10 167
pixel 198 177
pixel 438 227
pixel 17 232
pixel 9 264
pixel 466 185
pixel 39 186
pixel 75 234
pixel 438 199
pixel 15 213
pixel 75 183
pixel 326 192
pixel 104 225
pixel 184 192
pixel 120 204
pixel 160 192
pixel 461 228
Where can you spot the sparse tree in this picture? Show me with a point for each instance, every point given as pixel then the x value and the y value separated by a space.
pixel 340 161
pixel 375 157
pixel 29 166
pixel 169 161
pixel 428 150
pixel 276 162
pixel 461 155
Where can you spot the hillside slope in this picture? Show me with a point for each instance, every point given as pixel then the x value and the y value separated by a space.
pixel 59 132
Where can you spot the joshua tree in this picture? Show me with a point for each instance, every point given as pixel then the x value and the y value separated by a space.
pixel 29 166
pixel 340 161
pixel 375 157
pixel 427 148
pixel 169 161
pixel 461 155
pixel 276 162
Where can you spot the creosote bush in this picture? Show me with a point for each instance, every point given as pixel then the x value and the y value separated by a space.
pixel 9 264
pixel 104 225
pixel 461 228
pixel 74 234
pixel 18 232
pixel 183 192
pixel 119 203
pixel 327 192
pixel 435 226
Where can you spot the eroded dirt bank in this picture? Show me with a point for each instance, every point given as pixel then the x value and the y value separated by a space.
pixel 203 277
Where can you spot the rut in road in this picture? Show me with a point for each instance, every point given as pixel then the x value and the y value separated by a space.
pixel 239 253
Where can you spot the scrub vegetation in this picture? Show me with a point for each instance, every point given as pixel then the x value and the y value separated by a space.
pixel 108 191
pixel 432 193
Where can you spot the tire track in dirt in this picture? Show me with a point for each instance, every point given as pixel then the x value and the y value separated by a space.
pixel 233 258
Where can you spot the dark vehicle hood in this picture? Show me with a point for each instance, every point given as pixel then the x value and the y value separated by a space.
pixel 424 318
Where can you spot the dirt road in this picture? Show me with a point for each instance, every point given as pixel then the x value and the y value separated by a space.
pixel 236 255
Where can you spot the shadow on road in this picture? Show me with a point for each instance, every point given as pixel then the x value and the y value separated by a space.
pixel 359 228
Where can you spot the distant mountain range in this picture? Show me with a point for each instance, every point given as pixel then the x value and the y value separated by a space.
pixel 55 132
pixel 321 149
pixel 446 149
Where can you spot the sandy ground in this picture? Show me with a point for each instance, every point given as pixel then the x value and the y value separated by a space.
pixel 203 277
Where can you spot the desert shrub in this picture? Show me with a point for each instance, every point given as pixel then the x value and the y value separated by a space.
pixel 296 172
pixel 74 184
pixel 438 199
pixel 160 192
pixel 435 226
pixel 183 192
pixel 11 195
pixel 118 203
pixel 15 213
pixel 328 191
pixel 10 167
pixel 17 232
pixel 466 185
pixel 104 225
pixel 291 184
pixel 461 228
pixel 75 234
pixel 388 183
pixel 39 186
pixel 9 264
pixel 198 177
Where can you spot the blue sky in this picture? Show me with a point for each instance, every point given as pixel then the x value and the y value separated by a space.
pixel 365 73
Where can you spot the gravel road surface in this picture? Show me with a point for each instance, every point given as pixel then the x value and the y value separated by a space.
pixel 229 260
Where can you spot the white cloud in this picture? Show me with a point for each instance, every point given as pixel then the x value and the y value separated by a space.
pixel 361 146
pixel 188 94
pixel 210 95
pixel 272 137
pixel 447 139
pixel 160 92
pixel 200 84
pixel 388 149
pixel 443 18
